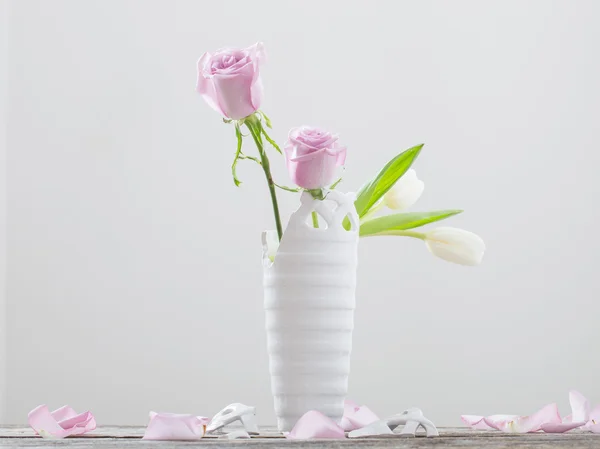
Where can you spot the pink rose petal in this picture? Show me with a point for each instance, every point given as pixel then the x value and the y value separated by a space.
pixel 172 426
pixel 595 428
pixel 595 414
pixel 45 423
pixel 475 422
pixel 314 424
pixel 532 423
pixel 496 421
pixel 65 412
pixel 356 416
pixel 580 407
pixel 561 427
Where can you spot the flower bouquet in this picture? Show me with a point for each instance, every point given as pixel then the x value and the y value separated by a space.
pixel 310 267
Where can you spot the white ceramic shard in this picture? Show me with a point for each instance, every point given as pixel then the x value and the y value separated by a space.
pixel 235 412
pixel 412 419
pixel 236 435
pixel 309 305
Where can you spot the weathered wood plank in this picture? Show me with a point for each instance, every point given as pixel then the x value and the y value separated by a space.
pixel 130 437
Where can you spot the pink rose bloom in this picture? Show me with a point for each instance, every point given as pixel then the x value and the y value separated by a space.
pixel 312 157
pixel 229 80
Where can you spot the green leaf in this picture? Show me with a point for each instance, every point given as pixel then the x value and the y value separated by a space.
pixel 251 158
pixel 335 184
pixel 403 221
pixel 373 190
pixel 238 153
pixel 271 141
pixel 289 189
pixel 267 120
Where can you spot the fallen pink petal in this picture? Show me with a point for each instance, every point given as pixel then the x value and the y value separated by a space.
pixel 485 423
pixel 314 424
pixel 172 426
pixel 495 421
pixel 526 424
pixel 356 416
pixel 60 423
pixel 580 407
pixel 561 427
pixel 595 414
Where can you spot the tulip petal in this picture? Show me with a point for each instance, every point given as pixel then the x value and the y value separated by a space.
pixel 560 427
pixel 45 424
pixel 356 416
pixel 455 245
pixel 405 192
pixel 270 244
pixel 172 426
pixel 314 424
pixel 580 407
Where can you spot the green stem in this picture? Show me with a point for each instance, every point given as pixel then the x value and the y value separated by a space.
pixel 372 211
pixel 255 127
pixel 315 219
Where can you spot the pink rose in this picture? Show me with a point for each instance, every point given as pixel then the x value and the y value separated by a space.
pixel 229 80
pixel 312 157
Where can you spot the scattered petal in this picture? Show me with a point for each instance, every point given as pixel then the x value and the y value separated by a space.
pixel 65 412
pixel 475 422
pixel 60 423
pixel 580 407
pixel 595 428
pixel 532 423
pixel 172 426
pixel 595 414
pixel 356 416
pixel 494 421
pixel 314 424
pixel 561 427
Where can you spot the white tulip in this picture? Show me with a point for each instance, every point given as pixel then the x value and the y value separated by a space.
pixel 455 245
pixel 270 245
pixel 405 192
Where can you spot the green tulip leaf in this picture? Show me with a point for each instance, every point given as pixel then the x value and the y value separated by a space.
pixel 403 221
pixel 373 190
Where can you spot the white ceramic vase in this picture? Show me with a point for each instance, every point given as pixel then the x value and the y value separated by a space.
pixel 309 304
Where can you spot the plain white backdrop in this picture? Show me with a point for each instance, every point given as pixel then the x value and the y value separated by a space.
pixel 3 111
pixel 134 273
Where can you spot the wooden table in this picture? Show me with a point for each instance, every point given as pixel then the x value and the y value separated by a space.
pixel 130 437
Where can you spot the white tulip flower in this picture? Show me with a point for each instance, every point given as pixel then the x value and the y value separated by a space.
pixel 270 243
pixel 405 192
pixel 455 245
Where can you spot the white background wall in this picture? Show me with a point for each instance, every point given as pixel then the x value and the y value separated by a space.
pixel 3 111
pixel 134 276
